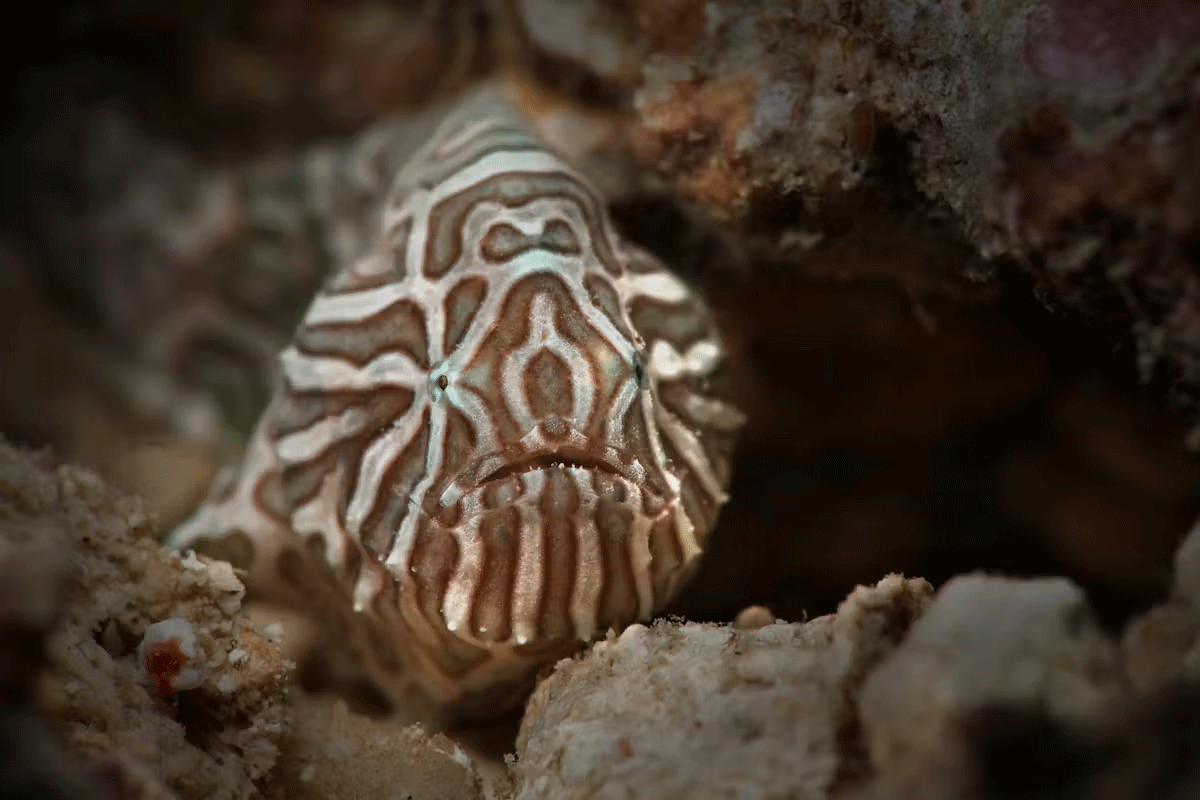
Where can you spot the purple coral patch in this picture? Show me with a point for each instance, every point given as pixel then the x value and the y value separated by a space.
pixel 1104 46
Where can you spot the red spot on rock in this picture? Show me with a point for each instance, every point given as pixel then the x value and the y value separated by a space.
pixel 163 661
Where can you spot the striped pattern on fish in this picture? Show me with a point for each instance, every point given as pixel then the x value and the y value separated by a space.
pixel 494 434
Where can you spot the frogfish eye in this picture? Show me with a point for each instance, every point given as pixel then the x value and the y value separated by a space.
pixel 639 371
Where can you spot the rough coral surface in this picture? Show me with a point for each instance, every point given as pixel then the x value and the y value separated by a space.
pixel 1056 132
pixel 1162 647
pixel 987 641
pixel 335 753
pixel 1005 752
pixel 696 710
pixel 218 741
pixel 34 759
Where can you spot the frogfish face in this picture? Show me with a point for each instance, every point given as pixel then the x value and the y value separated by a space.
pixel 556 512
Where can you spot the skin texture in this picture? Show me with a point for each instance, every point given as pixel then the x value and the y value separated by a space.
pixel 496 434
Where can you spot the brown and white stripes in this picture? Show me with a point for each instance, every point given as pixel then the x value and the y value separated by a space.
pixel 496 430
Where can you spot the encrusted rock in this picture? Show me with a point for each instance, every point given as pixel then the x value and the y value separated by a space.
pixel 34 577
pixel 1057 132
pixel 987 641
pixel 332 752
pixel 1001 752
pixel 217 740
pixel 1162 647
pixel 702 710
